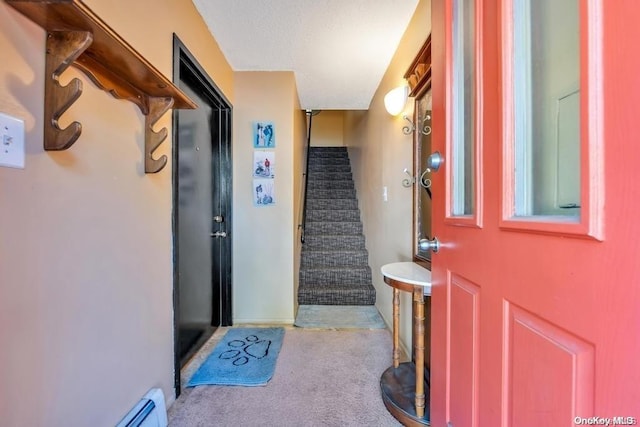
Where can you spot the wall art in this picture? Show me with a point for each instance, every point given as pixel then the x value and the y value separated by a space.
pixel 264 164
pixel 263 192
pixel 264 135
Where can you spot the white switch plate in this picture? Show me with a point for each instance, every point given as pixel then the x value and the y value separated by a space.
pixel 385 194
pixel 11 141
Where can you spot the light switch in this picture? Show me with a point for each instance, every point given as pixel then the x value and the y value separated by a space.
pixel 385 194
pixel 11 142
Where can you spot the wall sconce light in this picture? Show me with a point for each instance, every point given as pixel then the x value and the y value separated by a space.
pixel 395 101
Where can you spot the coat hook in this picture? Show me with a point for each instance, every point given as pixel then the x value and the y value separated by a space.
pixel 408 182
pixel 425 129
pixel 424 180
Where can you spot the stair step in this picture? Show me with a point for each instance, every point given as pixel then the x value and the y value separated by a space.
pixel 332 294
pixel 333 227
pixel 315 259
pixel 330 184
pixel 316 242
pixel 313 193
pixel 314 154
pixel 333 215
pixel 332 204
pixel 342 204
pixel 329 168
pixel 329 161
pixel 333 176
pixel 348 275
pixel 325 148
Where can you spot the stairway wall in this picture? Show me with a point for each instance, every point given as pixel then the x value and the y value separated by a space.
pixel 328 129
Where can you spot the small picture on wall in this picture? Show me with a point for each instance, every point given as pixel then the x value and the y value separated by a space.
pixel 264 135
pixel 263 192
pixel 264 164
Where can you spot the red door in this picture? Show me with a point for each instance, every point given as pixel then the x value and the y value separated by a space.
pixel 536 286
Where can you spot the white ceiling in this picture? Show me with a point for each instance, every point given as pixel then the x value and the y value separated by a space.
pixel 337 49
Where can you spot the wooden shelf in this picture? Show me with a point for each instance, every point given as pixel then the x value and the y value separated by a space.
pixel 77 36
pixel 419 73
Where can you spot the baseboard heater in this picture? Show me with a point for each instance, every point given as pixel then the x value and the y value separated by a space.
pixel 150 411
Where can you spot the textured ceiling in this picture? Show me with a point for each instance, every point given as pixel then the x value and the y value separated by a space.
pixel 337 49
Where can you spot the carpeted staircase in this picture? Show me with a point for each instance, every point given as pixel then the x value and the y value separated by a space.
pixel 334 268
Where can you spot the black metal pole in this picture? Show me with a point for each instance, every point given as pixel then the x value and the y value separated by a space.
pixel 306 177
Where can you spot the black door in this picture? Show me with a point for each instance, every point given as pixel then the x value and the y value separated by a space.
pixel 202 209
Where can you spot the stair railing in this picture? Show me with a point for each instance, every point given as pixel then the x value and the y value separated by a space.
pixel 310 114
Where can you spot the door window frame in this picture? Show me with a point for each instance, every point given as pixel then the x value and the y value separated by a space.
pixel 590 222
pixel 474 219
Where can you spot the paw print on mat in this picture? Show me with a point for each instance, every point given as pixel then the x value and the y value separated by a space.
pixel 242 351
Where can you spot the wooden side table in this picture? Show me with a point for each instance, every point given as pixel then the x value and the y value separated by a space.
pixel 403 388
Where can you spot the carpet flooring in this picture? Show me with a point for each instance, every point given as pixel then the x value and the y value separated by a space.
pixel 334 266
pixel 322 378
pixel 339 317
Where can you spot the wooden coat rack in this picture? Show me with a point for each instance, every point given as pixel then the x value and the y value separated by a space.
pixel 77 36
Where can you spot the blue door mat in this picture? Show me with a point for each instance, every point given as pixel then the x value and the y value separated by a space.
pixel 244 357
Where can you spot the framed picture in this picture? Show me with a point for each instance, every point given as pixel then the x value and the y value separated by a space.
pixel 263 192
pixel 264 164
pixel 264 135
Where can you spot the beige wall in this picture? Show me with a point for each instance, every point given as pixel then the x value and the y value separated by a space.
pixel 379 153
pixel 86 314
pixel 264 244
pixel 327 129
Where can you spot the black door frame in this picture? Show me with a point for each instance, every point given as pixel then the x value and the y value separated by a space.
pixel 185 62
